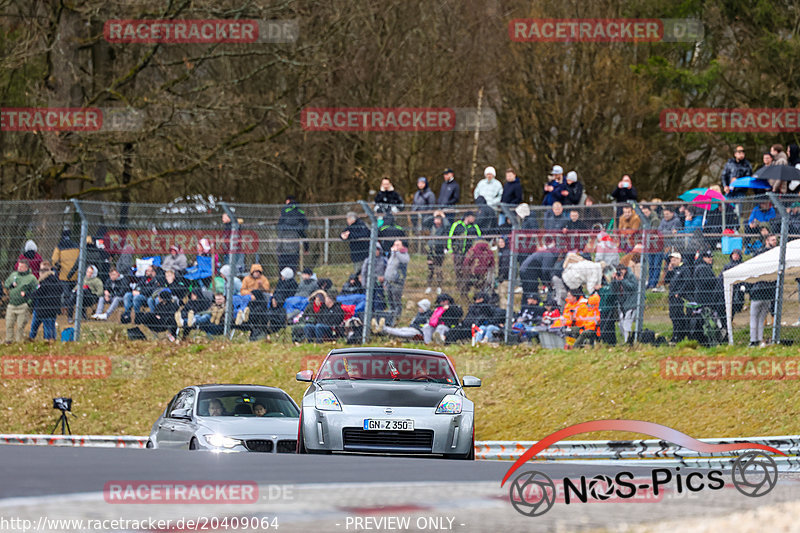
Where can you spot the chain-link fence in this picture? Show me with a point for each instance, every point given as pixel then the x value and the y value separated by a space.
pixel 708 270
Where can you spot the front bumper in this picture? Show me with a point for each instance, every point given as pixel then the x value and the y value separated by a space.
pixel 343 431
pixel 255 443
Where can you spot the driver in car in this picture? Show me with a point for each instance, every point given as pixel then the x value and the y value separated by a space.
pixel 215 408
pixel 259 410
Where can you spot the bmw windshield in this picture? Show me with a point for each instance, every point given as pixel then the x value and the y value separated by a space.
pixel 388 367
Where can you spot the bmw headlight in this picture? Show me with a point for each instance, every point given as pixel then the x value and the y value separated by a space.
pixel 327 401
pixel 221 441
pixel 450 405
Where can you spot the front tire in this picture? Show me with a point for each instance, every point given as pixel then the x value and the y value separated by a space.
pixel 193 444
pixel 150 445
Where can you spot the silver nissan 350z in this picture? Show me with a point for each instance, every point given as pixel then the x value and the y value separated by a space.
pixel 387 400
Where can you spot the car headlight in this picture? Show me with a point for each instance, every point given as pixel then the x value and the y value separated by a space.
pixel 221 441
pixel 327 401
pixel 450 405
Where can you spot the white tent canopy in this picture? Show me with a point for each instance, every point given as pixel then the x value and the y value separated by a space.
pixel 763 267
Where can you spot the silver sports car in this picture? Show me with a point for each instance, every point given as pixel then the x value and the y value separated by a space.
pixel 228 418
pixel 387 400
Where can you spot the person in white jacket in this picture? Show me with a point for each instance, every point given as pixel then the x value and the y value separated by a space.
pixel 490 188
pixel 578 271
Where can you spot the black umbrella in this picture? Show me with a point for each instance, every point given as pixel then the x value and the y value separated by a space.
pixel 778 172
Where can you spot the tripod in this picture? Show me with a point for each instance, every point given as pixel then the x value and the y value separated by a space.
pixel 64 424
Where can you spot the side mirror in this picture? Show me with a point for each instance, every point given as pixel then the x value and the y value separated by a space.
pixel 183 414
pixel 305 375
pixel 471 381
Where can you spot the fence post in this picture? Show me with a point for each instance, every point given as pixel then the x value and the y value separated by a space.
pixel 512 272
pixel 778 310
pixel 327 236
pixel 233 245
pixel 641 293
pixel 373 245
pixel 78 316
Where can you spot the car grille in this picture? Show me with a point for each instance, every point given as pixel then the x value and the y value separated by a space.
pixel 259 445
pixel 359 440
pixel 287 446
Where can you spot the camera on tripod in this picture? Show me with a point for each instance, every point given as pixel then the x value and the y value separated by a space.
pixel 65 406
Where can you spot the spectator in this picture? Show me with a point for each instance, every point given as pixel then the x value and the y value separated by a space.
pixel 762 300
pixel 555 220
pixel 352 285
pixel 529 317
pixel 238 259
pixel 573 190
pixel 308 283
pixel 389 231
pixel 651 215
pixel 761 217
pixel 555 186
pixel 793 154
pixel 736 167
pixel 624 192
pixel 291 230
pixel 162 316
pixel 378 267
pixel 739 289
pixel 575 222
pixel 387 198
pixel 220 283
pixel 450 192
pixel 395 280
pixel 185 317
pixel 46 303
pixel 484 320
pixel 175 260
pixel 478 267
pixel 607 307
pixel 486 218
pixel 708 289
pixel 424 198
pixel 503 262
pixel 626 287
pixel 92 290
pixel 629 221
pixel 580 271
pixel 413 331
pixel 445 316
pixel 113 292
pixel 255 281
pixel 286 286
pixel 20 285
pixel 97 255
pixel 668 226
pixel 512 192
pixel 266 316
pixel 323 319
pixel 212 320
pixel 357 235
pixel 755 247
pixel 681 287
pixel 779 156
pixel 460 239
pixel 692 221
pixel 31 254
pixel 138 295
pixel 489 188
pixel 436 247
pixel 65 262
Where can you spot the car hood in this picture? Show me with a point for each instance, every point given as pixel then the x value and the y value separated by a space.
pixel 250 426
pixel 388 393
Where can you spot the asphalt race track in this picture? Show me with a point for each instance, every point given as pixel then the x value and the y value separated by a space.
pixel 330 493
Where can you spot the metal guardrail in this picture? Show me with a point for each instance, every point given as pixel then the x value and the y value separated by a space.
pixel 642 452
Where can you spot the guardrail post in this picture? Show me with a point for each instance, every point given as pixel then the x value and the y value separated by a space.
pixel 512 272
pixel 778 310
pixel 78 316
pixel 233 245
pixel 641 293
pixel 373 245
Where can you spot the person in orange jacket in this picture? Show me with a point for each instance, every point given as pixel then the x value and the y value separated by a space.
pixel 587 320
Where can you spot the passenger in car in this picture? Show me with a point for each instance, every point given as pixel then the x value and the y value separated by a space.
pixel 259 410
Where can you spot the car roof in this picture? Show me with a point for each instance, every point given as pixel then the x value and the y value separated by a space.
pixel 235 386
pixel 380 349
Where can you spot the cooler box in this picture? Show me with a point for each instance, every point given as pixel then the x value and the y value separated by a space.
pixel 551 340
pixel 729 244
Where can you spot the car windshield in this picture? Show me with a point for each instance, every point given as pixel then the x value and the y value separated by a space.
pixel 246 403
pixel 389 367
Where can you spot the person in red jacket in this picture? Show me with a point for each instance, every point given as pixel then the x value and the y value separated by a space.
pixel 479 268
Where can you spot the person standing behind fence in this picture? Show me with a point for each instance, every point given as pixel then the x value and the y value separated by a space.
pixel 679 279
pixel 762 300
pixel 65 262
pixel 357 236
pixel 512 193
pixel 31 253
pixel 424 200
pixel 460 239
pixel 736 167
pixel 291 229
pixel 450 192
pixel 626 287
pixel 436 248
pixel 490 188
pixel 395 280
pixel 20 286
pixel 46 303
pixel 387 198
